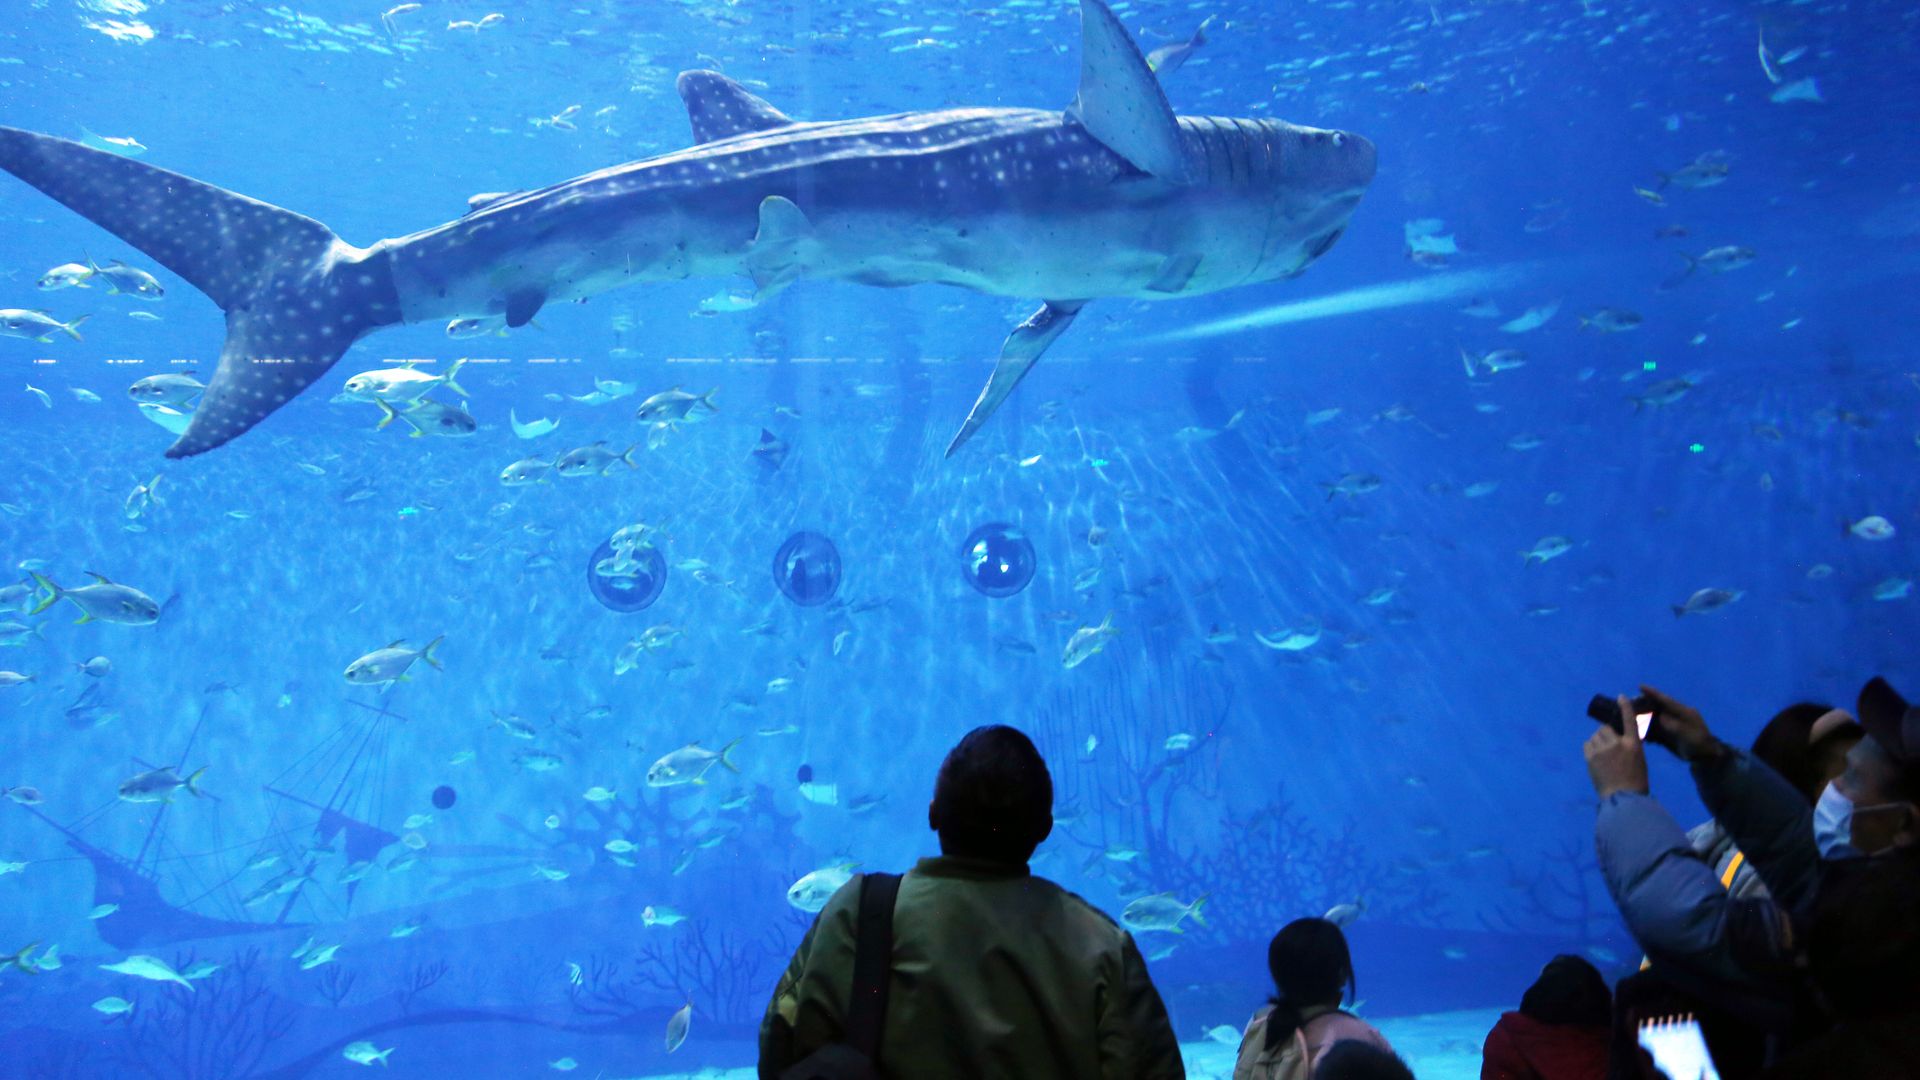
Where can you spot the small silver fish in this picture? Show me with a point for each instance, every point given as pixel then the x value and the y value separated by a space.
pixel 388 665
pixel 1611 320
pixel 124 280
pixel 1706 601
pixel 433 418
pixel 526 471
pixel 104 601
pixel 158 786
pixel 677 1027
pixel 1087 641
pixel 675 405
pixel 64 276
pixel 1167 59
pixel 172 388
pixel 594 460
pixel 38 326
pixel 472 328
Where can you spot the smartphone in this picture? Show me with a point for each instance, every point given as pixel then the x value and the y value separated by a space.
pixel 1606 710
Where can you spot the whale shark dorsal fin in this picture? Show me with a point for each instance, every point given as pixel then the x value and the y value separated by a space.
pixel 720 108
pixel 1121 102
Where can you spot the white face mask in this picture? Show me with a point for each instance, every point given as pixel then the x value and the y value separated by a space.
pixel 1833 825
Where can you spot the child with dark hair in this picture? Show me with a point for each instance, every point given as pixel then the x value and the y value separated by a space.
pixel 1312 976
pixel 1560 1031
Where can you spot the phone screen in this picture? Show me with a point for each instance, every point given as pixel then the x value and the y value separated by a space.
pixel 1678 1048
pixel 1646 721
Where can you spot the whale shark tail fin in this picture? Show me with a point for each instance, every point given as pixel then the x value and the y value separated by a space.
pixel 294 294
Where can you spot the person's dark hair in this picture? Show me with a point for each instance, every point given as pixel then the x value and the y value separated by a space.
pixel 993 798
pixel 1310 965
pixel 1351 1059
pixel 1785 745
pixel 1569 991
pixel 1907 784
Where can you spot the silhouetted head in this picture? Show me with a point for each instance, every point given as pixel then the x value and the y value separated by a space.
pixel 1569 991
pixel 1807 743
pixel 993 798
pixel 1310 964
pixel 1351 1059
pixel 1311 967
pixel 1877 797
pixel 1863 939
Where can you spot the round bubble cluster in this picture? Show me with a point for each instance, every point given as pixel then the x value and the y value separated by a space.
pixel 997 559
pixel 807 569
pixel 627 578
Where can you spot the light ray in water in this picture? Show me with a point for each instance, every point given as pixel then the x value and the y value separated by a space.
pixel 1420 290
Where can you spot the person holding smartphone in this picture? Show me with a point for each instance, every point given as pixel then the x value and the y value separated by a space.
pixel 1830 868
pixel 1675 899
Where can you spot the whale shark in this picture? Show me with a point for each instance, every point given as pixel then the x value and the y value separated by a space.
pixel 1114 196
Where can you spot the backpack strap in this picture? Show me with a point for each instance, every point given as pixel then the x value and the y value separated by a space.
pixel 872 964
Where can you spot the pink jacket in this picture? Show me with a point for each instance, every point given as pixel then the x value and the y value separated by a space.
pixel 1294 1059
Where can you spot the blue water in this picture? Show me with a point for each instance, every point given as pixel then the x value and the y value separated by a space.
pixel 1421 755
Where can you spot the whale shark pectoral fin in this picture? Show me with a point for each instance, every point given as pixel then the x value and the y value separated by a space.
pixel 776 257
pixel 720 108
pixel 1120 101
pixel 523 305
pixel 1017 357
pixel 1175 273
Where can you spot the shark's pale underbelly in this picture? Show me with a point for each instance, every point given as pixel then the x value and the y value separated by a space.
pixel 1030 213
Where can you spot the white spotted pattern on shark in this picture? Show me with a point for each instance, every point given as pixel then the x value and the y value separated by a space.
pixel 269 269
pixel 1114 197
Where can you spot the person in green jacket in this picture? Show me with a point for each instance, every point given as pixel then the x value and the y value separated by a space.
pixel 995 973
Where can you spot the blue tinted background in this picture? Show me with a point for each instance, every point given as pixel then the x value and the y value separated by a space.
pixel 1422 756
